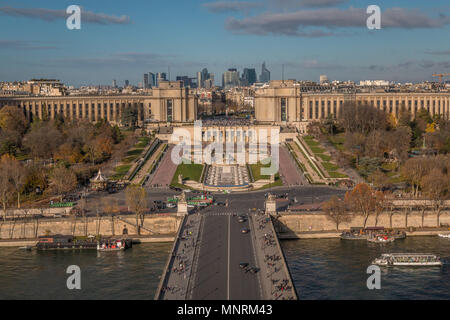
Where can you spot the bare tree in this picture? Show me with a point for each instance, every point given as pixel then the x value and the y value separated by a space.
pixel 110 208
pixel 6 186
pixel 362 200
pixel 136 198
pixel 414 170
pixel 436 187
pixel 18 175
pixel 63 180
pixel 336 211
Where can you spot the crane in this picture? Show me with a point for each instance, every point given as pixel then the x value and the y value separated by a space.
pixel 441 75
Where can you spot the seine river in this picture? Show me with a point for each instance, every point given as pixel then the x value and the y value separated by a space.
pixel 321 269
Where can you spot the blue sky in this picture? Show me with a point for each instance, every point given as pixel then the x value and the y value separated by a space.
pixel 123 39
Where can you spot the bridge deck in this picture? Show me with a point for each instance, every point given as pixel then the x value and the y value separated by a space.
pixel 210 248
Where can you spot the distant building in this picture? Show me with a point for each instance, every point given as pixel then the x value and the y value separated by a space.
pixel 127 83
pixel 160 76
pixel 114 84
pixel 151 80
pixel 230 79
pixel 323 79
pixel 248 77
pixel 146 84
pixel 265 74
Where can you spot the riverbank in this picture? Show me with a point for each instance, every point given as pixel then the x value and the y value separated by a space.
pixel 136 240
pixel 334 234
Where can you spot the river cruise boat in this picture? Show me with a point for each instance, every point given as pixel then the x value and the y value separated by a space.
pixel 360 233
pixel 408 259
pixel 443 235
pixel 113 245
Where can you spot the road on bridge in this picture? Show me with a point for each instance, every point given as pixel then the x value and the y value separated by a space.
pixel 217 275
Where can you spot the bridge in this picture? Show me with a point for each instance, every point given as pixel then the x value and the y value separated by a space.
pixel 206 257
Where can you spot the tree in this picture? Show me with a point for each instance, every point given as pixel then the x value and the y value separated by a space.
pixel 63 180
pixel 43 140
pixel 436 187
pixel 414 170
pixel 381 204
pixel 110 208
pixel 336 211
pixel 362 200
pixel 6 186
pixel 18 176
pixel 362 118
pixel 136 198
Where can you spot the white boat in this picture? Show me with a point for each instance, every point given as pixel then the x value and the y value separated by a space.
pixel 408 259
pixel 443 235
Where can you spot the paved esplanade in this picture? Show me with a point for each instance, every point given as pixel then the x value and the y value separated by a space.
pixel 205 262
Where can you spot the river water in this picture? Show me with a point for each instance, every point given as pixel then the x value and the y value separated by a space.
pixel 321 269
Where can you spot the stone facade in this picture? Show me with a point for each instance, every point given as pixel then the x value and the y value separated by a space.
pixel 161 225
pixel 170 102
pixel 283 102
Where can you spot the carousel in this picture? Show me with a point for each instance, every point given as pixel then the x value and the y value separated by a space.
pixel 100 182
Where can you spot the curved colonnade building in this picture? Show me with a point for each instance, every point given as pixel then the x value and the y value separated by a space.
pixel 284 103
pixel 170 102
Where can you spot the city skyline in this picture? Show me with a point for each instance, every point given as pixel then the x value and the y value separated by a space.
pixel 122 42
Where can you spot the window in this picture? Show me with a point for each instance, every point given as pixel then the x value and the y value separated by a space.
pixel 169 110
pixel 283 109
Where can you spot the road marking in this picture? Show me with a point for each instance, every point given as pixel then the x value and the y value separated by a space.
pixel 228 273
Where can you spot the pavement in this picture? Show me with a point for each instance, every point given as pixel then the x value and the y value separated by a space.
pixel 175 284
pixel 278 284
pixel 289 171
pixel 223 247
pixel 165 171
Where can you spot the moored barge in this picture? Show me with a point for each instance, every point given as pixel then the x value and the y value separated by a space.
pixel 67 242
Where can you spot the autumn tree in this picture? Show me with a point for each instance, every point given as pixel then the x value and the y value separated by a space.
pixel 362 200
pixel 336 211
pixel 136 198
pixel 63 180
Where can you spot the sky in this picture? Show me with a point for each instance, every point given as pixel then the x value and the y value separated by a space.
pixel 124 39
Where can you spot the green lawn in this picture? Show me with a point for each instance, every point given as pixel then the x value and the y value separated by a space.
pixel 143 142
pixel 189 172
pixel 121 171
pixel 324 157
pixel 338 141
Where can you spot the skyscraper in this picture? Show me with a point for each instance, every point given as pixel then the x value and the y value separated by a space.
pixel 146 82
pixel 199 80
pixel 151 80
pixel 127 83
pixel 265 74
pixel 248 77
pixel 114 84
pixel 230 78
